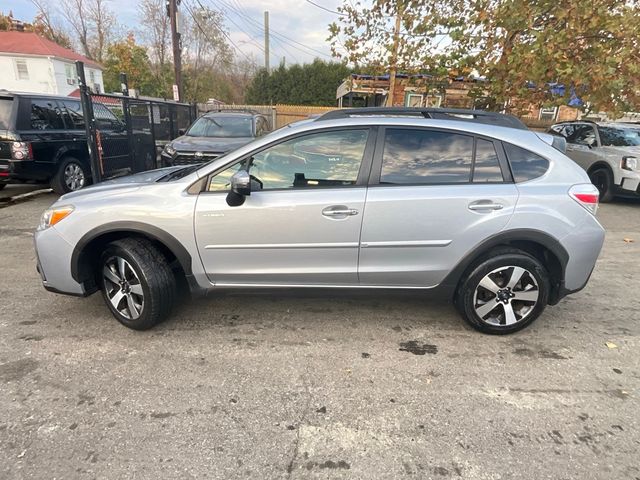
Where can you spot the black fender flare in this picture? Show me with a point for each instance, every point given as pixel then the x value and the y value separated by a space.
pixel 140 228
pixel 505 238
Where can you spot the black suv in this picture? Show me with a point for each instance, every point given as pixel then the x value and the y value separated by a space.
pixel 43 139
pixel 214 134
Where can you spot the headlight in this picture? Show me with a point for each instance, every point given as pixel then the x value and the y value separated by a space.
pixel 169 150
pixel 629 163
pixel 53 215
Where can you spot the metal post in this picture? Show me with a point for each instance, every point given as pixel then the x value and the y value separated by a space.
pixel 126 106
pixel 89 124
pixel 175 40
pixel 266 41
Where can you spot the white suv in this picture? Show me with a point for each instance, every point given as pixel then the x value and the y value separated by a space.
pixel 609 152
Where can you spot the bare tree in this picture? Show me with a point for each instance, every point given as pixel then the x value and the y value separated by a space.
pixel 46 24
pixel 92 23
pixel 154 30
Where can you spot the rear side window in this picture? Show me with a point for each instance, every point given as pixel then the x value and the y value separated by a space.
pixel 74 110
pixel 45 115
pixel 525 165
pixel 487 166
pixel 426 157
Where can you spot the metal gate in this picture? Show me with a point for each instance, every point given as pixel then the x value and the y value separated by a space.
pixel 125 134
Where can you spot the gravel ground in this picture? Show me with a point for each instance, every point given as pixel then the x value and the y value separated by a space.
pixel 318 384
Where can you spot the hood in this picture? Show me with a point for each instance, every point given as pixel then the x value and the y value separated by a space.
pixel 208 144
pixel 122 183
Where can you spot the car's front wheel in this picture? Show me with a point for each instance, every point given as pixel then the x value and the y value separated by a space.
pixel 504 293
pixel 137 283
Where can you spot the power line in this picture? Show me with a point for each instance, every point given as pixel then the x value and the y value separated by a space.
pixel 190 9
pixel 326 9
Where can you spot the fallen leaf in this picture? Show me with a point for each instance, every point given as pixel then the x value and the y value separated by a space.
pixel 628 240
pixel 611 345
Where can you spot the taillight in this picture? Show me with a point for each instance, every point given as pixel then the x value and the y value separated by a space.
pixel 21 151
pixel 586 195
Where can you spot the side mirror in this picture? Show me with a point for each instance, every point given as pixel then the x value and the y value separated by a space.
pixel 181 131
pixel 240 188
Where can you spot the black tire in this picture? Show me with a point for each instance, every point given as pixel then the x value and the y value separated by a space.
pixel 500 266
pixel 602 178
pixel 2 185
pixel 59 182
pixel 155 279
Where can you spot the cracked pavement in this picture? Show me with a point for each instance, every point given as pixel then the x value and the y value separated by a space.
pixel 306 385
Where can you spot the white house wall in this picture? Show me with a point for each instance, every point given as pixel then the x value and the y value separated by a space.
pixel 64 88
pixel 41 74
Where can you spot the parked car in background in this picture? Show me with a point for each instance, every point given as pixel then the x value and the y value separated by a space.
pixel 477 208
pixel 609 152
pixel 214 134
pixel 43 140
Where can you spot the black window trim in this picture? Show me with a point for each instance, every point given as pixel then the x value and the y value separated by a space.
pixel 363 173
pixel 376 168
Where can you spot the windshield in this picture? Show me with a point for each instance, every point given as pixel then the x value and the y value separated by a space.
pixel 222 127
pixel 620 136
pixel 6 104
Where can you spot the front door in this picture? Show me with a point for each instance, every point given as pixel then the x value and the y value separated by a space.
pixel 301 223
pixel 435 194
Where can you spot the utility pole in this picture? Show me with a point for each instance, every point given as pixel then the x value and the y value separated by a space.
pixel 172 7
pixel 394 54
pixel 266 41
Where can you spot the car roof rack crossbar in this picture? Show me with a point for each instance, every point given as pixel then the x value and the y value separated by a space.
pixel 465 115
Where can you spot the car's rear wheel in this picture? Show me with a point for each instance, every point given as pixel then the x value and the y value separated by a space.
pixel 72 175
pixel 504 293
pixel 137 283
pixel 603 180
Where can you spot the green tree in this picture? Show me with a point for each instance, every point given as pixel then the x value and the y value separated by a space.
pixel 128 57
pixel 591 48
pixel 309 84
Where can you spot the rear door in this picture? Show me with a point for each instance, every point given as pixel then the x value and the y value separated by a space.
pixel 116 154
pixel 434 194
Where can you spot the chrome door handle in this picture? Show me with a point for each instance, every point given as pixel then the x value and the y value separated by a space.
pixel 485 206
pixel 339 211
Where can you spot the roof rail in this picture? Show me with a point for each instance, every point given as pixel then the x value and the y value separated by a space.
pixel 460 114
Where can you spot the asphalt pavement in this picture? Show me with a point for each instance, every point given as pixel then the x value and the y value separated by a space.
pixel 307 385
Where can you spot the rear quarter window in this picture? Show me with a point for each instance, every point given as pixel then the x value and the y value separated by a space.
pixel 525 165
pixel 6 106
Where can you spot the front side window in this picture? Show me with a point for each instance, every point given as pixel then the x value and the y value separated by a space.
pixel 105 119
pixel 45 115
pixel 325 159
pixel 583 135
pixel 525 165
pixel 426 157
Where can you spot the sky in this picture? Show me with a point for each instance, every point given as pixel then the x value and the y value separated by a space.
pixel 297 20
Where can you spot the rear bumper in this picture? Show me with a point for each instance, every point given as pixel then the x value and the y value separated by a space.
pixel 25 171
pixel 53 256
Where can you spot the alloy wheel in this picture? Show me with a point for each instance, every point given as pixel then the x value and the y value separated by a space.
pixel 74 177
pixel 506 296
pixel 123 288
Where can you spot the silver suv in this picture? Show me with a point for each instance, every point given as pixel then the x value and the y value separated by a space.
pixel 468 204
pixel 609 152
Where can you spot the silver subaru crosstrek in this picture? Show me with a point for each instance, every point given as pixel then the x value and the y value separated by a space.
pixel 469 204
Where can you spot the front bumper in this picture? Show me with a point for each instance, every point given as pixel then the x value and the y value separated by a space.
pixel 53 255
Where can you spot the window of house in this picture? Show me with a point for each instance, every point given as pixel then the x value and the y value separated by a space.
pixel 324 159
pixel 414 100
pixel 548 113
pixel 426 157
pixel 45 115
pixel 525 165
pixel 70 73
pixel 22 72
